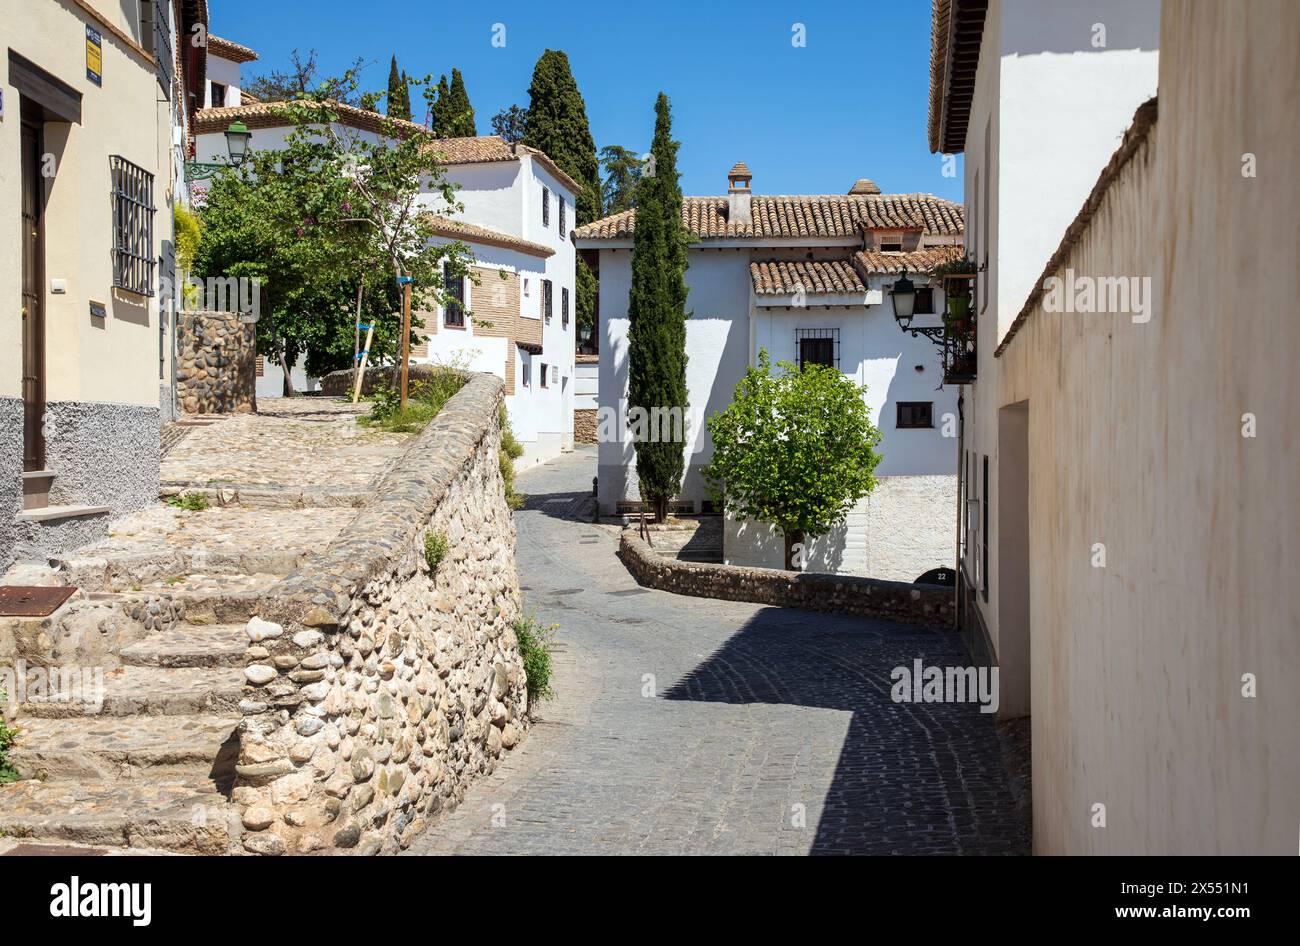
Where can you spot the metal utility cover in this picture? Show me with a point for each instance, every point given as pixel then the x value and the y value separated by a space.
pixel 22 601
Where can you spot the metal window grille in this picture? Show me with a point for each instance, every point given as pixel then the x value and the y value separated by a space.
pixel 817 346
pixel 546 299
pixel 915 414
pixel 546 206
pixel 455 286
pixel 133 210
pixel 564 303
pixel 562 206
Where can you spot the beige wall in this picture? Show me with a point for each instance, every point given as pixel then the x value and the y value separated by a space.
pixel 1135 441
pixel 117 359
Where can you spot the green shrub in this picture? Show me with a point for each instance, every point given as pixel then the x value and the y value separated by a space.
pixel 425 398
pixel 7 737
pixel 435 548
pixel 511 450
pixel 536 641
pixel 191 502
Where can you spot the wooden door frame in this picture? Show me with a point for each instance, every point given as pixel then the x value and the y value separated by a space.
pixel 33 329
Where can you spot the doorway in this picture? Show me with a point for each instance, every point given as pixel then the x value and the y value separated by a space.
pixel 33 298
pixel 1013 561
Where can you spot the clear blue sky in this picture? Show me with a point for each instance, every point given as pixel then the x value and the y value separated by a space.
pixel 811 120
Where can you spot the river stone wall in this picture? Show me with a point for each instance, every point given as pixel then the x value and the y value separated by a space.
pixel 377 689
pixel 216 364
pixel 930 605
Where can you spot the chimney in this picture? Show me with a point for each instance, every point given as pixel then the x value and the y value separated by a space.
pixel 863 186
pixel 738 210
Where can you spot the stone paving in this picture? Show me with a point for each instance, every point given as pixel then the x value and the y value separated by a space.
pixel 693 726
pixel 291 443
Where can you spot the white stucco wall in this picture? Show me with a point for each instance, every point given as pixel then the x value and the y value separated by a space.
pixel 227 73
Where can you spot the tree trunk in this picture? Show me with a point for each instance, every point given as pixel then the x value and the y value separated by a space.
pixel 661 508
pixel 287 360
pixel 794 557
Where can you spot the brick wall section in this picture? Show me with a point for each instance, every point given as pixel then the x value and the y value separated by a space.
pixel 216 364
pixel 584 425
pixel 929 605
pixel 376 690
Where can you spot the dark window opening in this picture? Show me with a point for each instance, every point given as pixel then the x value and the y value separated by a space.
pixel 528 374
pixel 915 414
pixel 817 346
pixel 218 95
pixel 924 304
pixel 454 317
pixel 546 206
pixel 546 299
pixel 564 303
pixel 133 210
pixel 543 375
pixel 562 222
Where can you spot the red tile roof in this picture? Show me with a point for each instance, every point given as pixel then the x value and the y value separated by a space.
pixel 916 261
pixel 232 52
pixel 781 277
pixel 472 233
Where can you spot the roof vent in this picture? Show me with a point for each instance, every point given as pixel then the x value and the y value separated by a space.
pixel 864 186
pixel 738 207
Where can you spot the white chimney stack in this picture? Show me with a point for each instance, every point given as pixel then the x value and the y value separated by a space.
pixel 738 194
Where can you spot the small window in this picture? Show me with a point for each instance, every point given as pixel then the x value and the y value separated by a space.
pixel 543 375
pixel 562 206
pixel 817 346
pixel 924 304
pixel 546 299
pixel 527 288
pixel 890 242
pixel 914 414
pixel 564 303
pixel 218 95
pixel 546 206
pixel 133 210
pixel 454 317
pixel 528 373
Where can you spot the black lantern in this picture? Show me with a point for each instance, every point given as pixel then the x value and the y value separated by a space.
pixel 904 296
pixel 237 138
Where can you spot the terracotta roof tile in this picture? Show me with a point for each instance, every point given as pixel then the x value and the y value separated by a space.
pixel 472 233
pixel 232 52
pixel 833 215
pixel 781 277
pixel 916 261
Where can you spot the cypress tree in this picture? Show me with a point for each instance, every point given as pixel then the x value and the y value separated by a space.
pixel 657 321
pixel 557 124
pixel 399 94
pixel 440 113
pixel 460 112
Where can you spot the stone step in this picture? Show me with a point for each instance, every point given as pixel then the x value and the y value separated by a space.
pixel 56 513
pixel 190 645
pixel 36 488
pixel 198 748
pixel 150 691
pixel 175 815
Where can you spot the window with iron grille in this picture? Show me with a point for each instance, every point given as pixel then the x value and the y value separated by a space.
pixel 454 317
pixel 564 303
pixel 544 375
pixel 924 304
pixel 546 299
pixel 817 346
pixel 133 210
pixel 562 206
pixel 546 206
pixel 915 414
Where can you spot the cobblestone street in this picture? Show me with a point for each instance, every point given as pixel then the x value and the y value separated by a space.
pixel 691 726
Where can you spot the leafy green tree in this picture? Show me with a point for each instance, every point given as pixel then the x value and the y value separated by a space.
pixel 326 223
pixel 557 124
pixel 623 170
pixel 657 316
pixel 460 114
pixel 796 449
pixel 510 123
pixel 399 94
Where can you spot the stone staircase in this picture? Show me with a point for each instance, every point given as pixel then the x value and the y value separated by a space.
pixel 152 767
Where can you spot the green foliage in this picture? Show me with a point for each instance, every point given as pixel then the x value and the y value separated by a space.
pixel 796 449
pixel 511 450
pixel 460 114
pixel 188 235
pixel 190 502
pixel 510 123
pixel 557 124
pixel 536 642
pixel 657 314
pixel 955 267
pixel 331 215
pixel 623 169
pixel 8 736
pixel 399 94
pixel 425 398
pixel 435 549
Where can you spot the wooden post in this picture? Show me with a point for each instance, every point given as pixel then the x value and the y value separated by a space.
pixel 406 334
pixel 365 356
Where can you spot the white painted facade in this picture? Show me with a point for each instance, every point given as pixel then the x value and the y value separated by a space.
pixel 907 526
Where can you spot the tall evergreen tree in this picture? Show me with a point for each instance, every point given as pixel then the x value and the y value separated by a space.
pixel 510 123
pixel 399 93
pixel 557 124
pixel 439 111
pixel 657 321
pixel 460 112
pixel 623 168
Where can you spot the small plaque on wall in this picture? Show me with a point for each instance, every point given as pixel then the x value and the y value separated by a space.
pixel 94 57
pixel 98 310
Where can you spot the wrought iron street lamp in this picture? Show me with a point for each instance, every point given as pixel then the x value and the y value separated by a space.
pixel 237 140
pixel 904 297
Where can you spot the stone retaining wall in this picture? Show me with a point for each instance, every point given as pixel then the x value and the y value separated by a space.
pixel 377 690
pixel 340 383
pixel 216 364
pixel 842 594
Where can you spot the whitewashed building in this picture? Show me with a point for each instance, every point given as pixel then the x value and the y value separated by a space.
pixel 804 278
pixel 517 317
